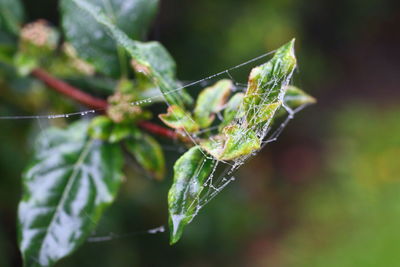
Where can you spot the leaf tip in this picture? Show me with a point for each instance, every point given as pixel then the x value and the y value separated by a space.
pixel 176 223
pixel 290 47
pixel 311 99
pixel 287 49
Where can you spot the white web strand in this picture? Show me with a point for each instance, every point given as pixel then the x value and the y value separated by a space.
pixel 52 116
pixel 215 182
pixel 215 186
pixel 113 236
pixel 203 81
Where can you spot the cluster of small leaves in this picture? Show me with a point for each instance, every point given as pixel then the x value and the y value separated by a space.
pixel 247 116
pixel 76 171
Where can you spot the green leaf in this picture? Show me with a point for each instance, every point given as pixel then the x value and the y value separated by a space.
pixel 233 143
pixel 267 84
pixel 295 97
pixel 67 186
pixel 153 60
pixel 149 58
pixel 148 153
pixel 160 68
pixel 146 90
pixel 190 172
pixel 11 15
pixel 267 112
pixel 210 101
pixel 120 131
pixel 25 63
pixel 7 51
pixel 91 39
pixel 232 108
pixel 179 119
pixel 163 62
pixel 101 128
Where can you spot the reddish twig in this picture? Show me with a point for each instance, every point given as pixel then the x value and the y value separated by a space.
pixel 94 102
pixel 157 129
pixel 68 90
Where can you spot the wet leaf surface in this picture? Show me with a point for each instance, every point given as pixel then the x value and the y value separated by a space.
pixel 67 186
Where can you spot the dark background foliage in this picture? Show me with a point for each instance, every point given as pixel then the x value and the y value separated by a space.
pixel 325 194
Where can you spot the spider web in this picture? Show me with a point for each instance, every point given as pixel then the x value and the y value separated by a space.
pixel 222 173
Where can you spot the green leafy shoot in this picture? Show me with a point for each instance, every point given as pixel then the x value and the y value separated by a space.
pixel 247 117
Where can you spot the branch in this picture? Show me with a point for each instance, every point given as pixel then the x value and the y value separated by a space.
pixel 157 129
pixel 94 102
pixel 68 90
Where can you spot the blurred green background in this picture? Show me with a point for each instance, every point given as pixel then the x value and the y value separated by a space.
pixel 326 194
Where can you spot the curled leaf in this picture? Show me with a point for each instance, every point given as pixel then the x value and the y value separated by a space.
pixel 266 113
pixel 232 108
pixel 211 100
pixel 179 119
pixel 233 143
pixel 295 97
pixel 190 173
pixel 267 83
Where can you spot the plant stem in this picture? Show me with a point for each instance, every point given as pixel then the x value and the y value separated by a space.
pixel 68 90
pixel 94 102
pixel 157 129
